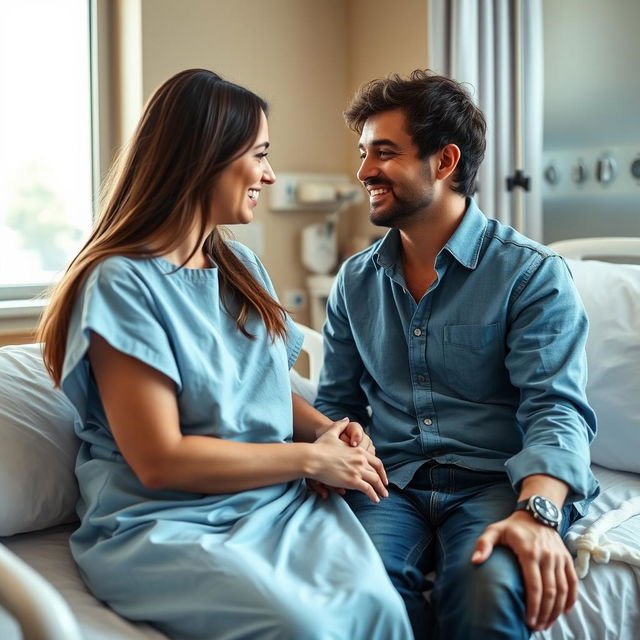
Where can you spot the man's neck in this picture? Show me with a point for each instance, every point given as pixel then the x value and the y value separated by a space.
pixel 423 239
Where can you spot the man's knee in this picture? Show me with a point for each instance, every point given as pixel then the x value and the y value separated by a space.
pixel 485 601
pixel 496 588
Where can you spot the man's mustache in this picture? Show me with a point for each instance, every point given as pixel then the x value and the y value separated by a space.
pixel 376 182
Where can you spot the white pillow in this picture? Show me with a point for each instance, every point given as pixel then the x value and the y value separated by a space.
pixel 302 387
pixel 611 295
pixel 37 445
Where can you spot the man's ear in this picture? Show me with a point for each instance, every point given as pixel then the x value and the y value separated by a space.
pixel 448 158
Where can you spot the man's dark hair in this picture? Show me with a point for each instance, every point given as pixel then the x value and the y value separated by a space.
pixel 439 111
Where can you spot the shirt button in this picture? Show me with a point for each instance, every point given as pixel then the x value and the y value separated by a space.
pixel 421 378
pixel 417 332
pixel 428 421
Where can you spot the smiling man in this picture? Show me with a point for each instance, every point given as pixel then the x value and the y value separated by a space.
pixel 460 344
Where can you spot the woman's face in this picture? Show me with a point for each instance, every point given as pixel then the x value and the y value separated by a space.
pixel 239 186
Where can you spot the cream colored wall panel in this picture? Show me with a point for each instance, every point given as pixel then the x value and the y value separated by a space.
pixel 291 52
pixel 385 36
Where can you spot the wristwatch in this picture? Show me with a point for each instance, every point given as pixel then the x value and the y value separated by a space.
pixel 542 510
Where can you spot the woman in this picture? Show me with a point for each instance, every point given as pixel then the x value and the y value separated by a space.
pixel 194 511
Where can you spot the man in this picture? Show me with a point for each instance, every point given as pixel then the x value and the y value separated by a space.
pixel 460 343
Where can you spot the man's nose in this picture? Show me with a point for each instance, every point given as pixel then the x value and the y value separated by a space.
pixel 367 169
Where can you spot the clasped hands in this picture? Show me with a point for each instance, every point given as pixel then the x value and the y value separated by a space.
pixel 346 460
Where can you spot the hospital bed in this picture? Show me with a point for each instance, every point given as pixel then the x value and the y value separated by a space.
pixel 42 596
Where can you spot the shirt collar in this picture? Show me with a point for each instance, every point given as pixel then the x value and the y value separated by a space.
pixel 464 245
pixel 388 250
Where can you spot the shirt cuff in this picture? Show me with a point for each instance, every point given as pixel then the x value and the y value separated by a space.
pixel 562 464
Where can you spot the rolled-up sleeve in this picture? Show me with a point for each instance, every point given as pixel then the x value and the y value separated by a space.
pixel 546 361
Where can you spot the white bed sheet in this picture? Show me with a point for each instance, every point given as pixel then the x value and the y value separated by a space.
pixel 608 607
pixel 609 600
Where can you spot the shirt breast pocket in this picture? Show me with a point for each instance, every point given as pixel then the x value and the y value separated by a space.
pixel 474 361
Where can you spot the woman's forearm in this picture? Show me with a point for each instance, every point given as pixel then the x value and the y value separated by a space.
pixel 205 464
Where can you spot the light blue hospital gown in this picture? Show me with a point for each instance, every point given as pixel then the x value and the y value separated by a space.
pixel 270 563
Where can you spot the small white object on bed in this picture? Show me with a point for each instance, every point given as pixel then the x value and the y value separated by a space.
pixel 39 583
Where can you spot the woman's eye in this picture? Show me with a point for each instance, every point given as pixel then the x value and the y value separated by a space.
pixel 260 156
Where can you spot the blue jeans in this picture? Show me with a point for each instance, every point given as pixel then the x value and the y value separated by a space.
pixel 432 525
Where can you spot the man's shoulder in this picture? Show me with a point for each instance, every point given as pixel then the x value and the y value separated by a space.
pixel 504 238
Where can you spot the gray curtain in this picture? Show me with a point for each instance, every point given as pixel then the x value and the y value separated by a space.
pixel 473 41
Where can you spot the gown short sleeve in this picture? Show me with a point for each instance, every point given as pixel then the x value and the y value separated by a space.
pixel 116 303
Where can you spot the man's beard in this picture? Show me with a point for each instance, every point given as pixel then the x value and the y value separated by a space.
pixel 401 209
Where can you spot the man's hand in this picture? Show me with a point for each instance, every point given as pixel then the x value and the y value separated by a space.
pixel 551 583
pixel 354 435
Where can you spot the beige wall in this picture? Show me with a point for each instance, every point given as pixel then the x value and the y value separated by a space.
pixel 292 53
pixel 306 58
pixel 385 37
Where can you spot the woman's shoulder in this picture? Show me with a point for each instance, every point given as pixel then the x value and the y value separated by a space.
pixel 127 276
pixel 242 252
pixel 118 267
pixel 248 258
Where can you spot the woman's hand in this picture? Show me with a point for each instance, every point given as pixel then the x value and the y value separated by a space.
pixel 337 463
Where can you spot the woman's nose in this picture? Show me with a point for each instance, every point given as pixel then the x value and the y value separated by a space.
pixel 268 176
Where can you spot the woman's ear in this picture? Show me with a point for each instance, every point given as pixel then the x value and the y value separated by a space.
pixel 449 156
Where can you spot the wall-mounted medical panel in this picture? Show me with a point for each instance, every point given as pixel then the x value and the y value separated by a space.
pixel 592 171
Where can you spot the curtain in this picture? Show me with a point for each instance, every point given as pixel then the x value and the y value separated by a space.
pixel 473 42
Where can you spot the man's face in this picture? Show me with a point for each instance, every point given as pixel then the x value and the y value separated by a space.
pixel 400 185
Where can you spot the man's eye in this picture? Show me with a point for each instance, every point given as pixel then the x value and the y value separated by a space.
pixel 384 154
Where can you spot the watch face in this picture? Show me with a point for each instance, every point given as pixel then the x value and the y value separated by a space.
pixel 546 509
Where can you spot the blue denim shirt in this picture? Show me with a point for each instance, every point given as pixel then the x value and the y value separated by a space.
pixel 487 371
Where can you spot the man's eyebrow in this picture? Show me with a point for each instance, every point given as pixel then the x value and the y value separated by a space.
pixel 379 142
pixel 262 144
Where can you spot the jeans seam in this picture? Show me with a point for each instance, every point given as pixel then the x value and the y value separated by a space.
pixel 414 554
pixel 436 589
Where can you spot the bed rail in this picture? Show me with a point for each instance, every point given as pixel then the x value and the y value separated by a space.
pixel 41 612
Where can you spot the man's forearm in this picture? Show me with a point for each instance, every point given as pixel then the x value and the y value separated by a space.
pixel 544 485
pixel 308 423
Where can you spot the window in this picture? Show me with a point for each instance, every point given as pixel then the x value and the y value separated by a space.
pixel 45 141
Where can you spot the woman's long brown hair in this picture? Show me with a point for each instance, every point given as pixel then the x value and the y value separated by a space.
pixel 192 128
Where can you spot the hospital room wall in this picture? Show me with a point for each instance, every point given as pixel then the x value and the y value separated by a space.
pixel 306 58
pixel 591 106
pixel 385 36
pixel 292 53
